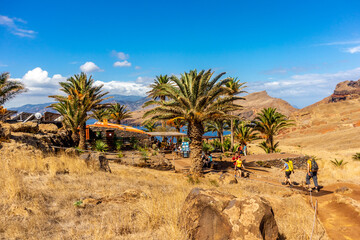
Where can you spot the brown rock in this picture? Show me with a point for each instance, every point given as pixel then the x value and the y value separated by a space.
pixel 28 127
pixel 211 215
pixel 48 128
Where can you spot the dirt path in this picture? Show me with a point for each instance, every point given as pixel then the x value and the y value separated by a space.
pixel 339 212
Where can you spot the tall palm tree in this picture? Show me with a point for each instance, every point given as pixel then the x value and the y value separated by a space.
pixel 84 95
pixel 100 114
pixel 235 88
pixel 156 92
pixel 195 97
pixel 9 88
pixel 244 133
pixel 217 126
pixel 119 112
pixel 269 122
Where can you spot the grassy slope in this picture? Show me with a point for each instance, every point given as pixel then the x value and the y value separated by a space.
pixel 37 201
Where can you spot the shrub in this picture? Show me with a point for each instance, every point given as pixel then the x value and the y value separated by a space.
pixel 267 148
pixel 338 163
pixel 100 146
pixel 119 145
pixel 207 147
pixel 356 156
pixel 120 154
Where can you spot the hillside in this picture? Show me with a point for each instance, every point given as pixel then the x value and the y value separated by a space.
pixel 253 104
pixel 330 124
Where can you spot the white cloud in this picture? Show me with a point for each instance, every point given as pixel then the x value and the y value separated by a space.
pixel 122 64
pixel 305 88
pixel 340 43
pixel 137 67
pixel 124 88
pixel 144 80
pixel 12 25
pixel 3 65
pixel 40 85
pixel 90 67
pixel 120 55
pixel 353 49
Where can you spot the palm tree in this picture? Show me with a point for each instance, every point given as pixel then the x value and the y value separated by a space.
pixel 244 133
pixel 119 112
pixel 100 114
pixel 195 97
pixel 217 126
pixel 82 96
pixel 269 122
pixel 156 92
pixel 9 88
pixel 150 126
pixel 235 88
pixel 72 117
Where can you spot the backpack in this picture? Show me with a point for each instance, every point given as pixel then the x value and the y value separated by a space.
pixel 291 167
pixel 314 166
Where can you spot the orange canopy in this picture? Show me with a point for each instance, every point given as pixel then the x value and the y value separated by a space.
pixel 116 126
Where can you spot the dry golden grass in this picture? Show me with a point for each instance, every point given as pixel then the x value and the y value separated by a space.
pixel 38 196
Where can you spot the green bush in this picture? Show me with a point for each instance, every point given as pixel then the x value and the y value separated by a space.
pixel 118 145
pixel 120 154
pixel 100 146
pixel 207 147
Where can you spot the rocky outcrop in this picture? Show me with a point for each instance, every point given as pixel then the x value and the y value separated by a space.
pixel 346 90
pixel 96 161
pixel 5 133
pixel 211 215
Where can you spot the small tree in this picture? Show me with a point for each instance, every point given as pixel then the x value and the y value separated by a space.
pixel 119 112
pixel 269 122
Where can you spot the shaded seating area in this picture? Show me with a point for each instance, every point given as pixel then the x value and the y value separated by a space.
pixel 165 146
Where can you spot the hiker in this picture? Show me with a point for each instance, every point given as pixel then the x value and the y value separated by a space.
pixel 245 150
pixel 312 169
pixel 289 168
pixel 240 150
pixel 239 167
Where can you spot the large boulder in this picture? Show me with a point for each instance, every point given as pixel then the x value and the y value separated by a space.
pixel 211 215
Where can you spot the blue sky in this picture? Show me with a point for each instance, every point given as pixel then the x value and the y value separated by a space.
pixel 296 50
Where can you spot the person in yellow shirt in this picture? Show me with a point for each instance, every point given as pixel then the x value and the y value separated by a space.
pixel 289 168
pixel 239 167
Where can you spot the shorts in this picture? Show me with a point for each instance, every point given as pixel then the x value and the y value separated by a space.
pixel 287 174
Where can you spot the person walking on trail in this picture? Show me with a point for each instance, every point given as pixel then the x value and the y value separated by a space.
pixel 311 173
pixel 239 167
pixel 245 150
pixel 289 168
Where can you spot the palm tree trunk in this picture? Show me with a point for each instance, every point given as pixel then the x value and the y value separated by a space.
pixel 221 136
pixel 75 137
pixel 232 133
pixel 82 143
pixel 271 139
pixel 195 132
pixel 163 124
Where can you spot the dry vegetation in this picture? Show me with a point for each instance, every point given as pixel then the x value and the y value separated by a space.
pixel 38 196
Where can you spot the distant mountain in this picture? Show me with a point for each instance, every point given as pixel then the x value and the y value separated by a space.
pixel 253 104
pixel 132 102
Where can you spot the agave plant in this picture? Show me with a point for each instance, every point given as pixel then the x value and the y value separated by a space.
pixel 356 156
pixel 195 97
pixel 100 146
pixel 338 163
